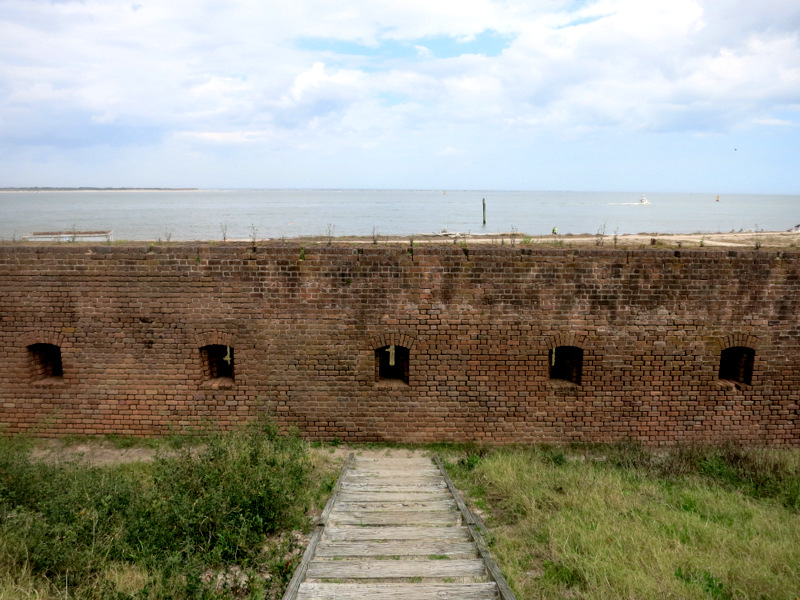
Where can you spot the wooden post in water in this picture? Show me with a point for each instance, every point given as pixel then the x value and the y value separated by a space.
pixel 484 211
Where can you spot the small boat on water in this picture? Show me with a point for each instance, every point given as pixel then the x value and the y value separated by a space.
pixel 644 200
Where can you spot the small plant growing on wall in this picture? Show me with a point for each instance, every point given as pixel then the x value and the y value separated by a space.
pixel 253 235
pixel 758 239
pixel 600 236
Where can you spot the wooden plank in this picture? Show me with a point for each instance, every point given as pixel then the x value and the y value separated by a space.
pixel 398 591
pixel 407 470
pixel 379 481
pixel 372 506
pixel 403 475
pixel 328 549
pixel 370 496
pixel 299 574
pixel 428 471
pixel 397 533
pixel 390 460
pixel 423 518
pixel 394 569
pixel 354 486
pixel 392 463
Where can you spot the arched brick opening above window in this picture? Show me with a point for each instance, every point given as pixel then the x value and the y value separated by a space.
pixel 736 364
pixel 391 363
pixel 45 362
pixel 566 363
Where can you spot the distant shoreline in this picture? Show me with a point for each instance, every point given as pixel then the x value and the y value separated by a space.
pixel 96 189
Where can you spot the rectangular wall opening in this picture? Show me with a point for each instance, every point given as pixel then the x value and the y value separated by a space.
pixel 391 363
pixel 218 362
pixel 566 364
pixel 45 362
pixel 736 364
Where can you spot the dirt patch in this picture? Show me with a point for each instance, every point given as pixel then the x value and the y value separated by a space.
pixel 96 452
pixel 103 453
pixel 341 452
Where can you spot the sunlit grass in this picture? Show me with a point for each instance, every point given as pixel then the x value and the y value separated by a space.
pixel 584 524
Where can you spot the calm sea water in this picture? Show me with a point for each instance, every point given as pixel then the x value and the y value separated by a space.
pixel 202 215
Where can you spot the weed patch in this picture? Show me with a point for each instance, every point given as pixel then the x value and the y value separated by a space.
pixel 191 524
pixel 563 575
pixel 708 583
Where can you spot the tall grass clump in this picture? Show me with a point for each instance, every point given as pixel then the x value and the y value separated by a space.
pixel 758 472
pixel 168 526
pixel 220 501
pixel 623 521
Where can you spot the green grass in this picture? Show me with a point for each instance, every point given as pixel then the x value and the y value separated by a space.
pixel 215 520
pixel 625 522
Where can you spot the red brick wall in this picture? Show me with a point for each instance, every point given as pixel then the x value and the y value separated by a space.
pixel 479 322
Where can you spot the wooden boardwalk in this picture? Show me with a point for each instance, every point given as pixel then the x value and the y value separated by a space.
pixel 396 528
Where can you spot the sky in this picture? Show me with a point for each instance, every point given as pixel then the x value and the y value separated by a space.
pixel 606 95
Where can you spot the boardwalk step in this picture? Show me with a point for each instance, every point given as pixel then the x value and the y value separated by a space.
pixel 376 496
pixel 425 518
pixel 395 569
pixel 397 591
pixel 456 534
pixel 397 505
pixel 403 474
pixel 396 548
pixel 390 485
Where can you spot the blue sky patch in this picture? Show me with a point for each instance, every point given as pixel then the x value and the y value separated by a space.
pixel 488 43
pixel 583 21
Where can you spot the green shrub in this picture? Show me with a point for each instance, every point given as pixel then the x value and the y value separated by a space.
pixel 63 516
pixel 220 501
pixel 66 522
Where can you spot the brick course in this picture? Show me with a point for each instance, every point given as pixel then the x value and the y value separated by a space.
pixel 479 323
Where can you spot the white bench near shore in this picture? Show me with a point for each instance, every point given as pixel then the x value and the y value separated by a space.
pixel 69 236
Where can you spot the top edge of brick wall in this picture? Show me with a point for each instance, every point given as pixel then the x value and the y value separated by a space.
pixel 242 249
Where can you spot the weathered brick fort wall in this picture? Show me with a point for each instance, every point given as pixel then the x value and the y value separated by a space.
pixel 130 340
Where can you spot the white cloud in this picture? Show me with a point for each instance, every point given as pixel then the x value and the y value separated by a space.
pixel 775 122
pixel 223 137
pixel 316 80
pixel 235 74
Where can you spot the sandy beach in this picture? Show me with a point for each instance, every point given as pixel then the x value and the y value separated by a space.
pixel 752 240
pixel 745 240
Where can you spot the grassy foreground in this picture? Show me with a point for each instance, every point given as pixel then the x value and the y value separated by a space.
pixel 624 522
pixel 216 520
